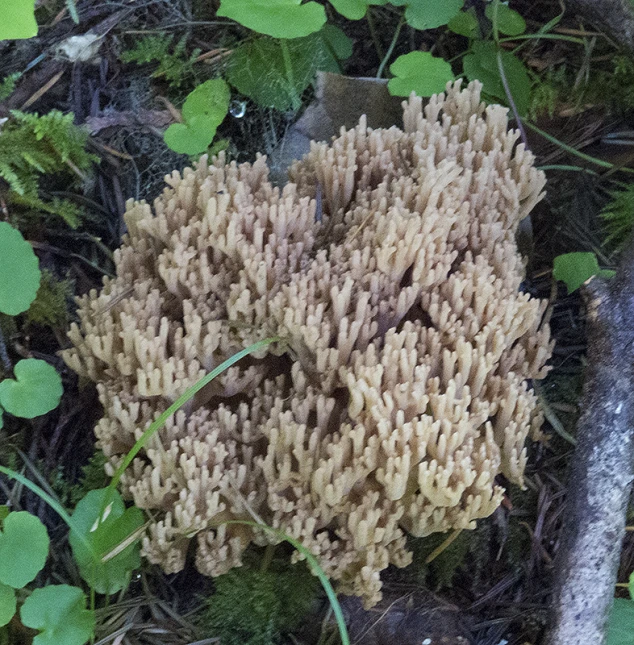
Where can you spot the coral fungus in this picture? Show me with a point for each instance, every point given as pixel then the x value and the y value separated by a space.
pixel 401 388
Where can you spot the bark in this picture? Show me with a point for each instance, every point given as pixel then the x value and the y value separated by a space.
pixel 602 467
pixel 616 17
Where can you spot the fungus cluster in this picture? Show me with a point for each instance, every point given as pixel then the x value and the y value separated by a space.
pixel 400 389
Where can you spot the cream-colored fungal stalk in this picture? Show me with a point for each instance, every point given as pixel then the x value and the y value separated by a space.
pixel 401 390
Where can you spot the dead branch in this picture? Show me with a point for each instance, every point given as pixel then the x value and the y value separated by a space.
pixel 602 467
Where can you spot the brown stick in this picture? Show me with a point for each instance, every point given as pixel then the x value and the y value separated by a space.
pixel 602 467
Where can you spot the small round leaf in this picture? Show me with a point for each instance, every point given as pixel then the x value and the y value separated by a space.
pixel 8 604
pixel 23 549
pixel 19 271
pixel 419 72
pixel 210 99
pixel 36 389
pixel 277 18
pixel 59 613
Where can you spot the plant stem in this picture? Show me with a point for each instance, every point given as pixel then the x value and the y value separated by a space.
pixel 574 151
pixel 390 49
pixel 269 552
pixel 373 34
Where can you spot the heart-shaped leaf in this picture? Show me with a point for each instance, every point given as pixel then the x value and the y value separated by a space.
pixel 36 389
pixel 575 268
pixel 23 549
pixel 427 14
pixel 203 111
pixel 19 267
pixel 8 604
pixel 116 526
pixel 190 138
pixel 18 19
pixel 59 613
pixel 277 18
pixel 419 72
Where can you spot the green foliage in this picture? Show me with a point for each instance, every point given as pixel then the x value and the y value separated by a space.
pixel 203 111
pixel 575 268
pixel 251 607
pixel 274 73
pixel 33 146
pixel 429 15
pixel 59 613
pixel 419 72
pixel 36 389
pixel 8 604
pixel 18 266
pixel 106 532
pixel 618 218
pixel 7 85
pixel 440 571
pixel 93 477
pixel 621 623
pixel 50 306
pixel 173 61
pixel 18 19
pixel 464 23
pixel 506 20
pixel 354 9
pixel 23 549
pixel 276 18
pixel 482 64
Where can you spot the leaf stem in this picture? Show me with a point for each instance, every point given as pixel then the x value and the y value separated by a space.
pixel 390 49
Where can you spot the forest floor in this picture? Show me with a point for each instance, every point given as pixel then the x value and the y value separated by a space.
pixel 490 586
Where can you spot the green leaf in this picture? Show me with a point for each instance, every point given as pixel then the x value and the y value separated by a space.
pixel 621 623
pixel 482 64
pixel 23 549
pixel 18 19
pixel 36 389
pixel 630 585
pixel 259 69
pixel 276 18
pixel 338 44
pixel 210 98
pixel 59 613
pixel 18 266
pixel 464 23
pixel 354 9
pixel 116 526
pixel 419 72
pixel 508 22
pixel 8 604
pixel 429 14
pixel 575 268
pixel 203 111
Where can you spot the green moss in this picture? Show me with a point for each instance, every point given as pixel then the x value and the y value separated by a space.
pixel 440 571
pixel 252 607
pixel 50 306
